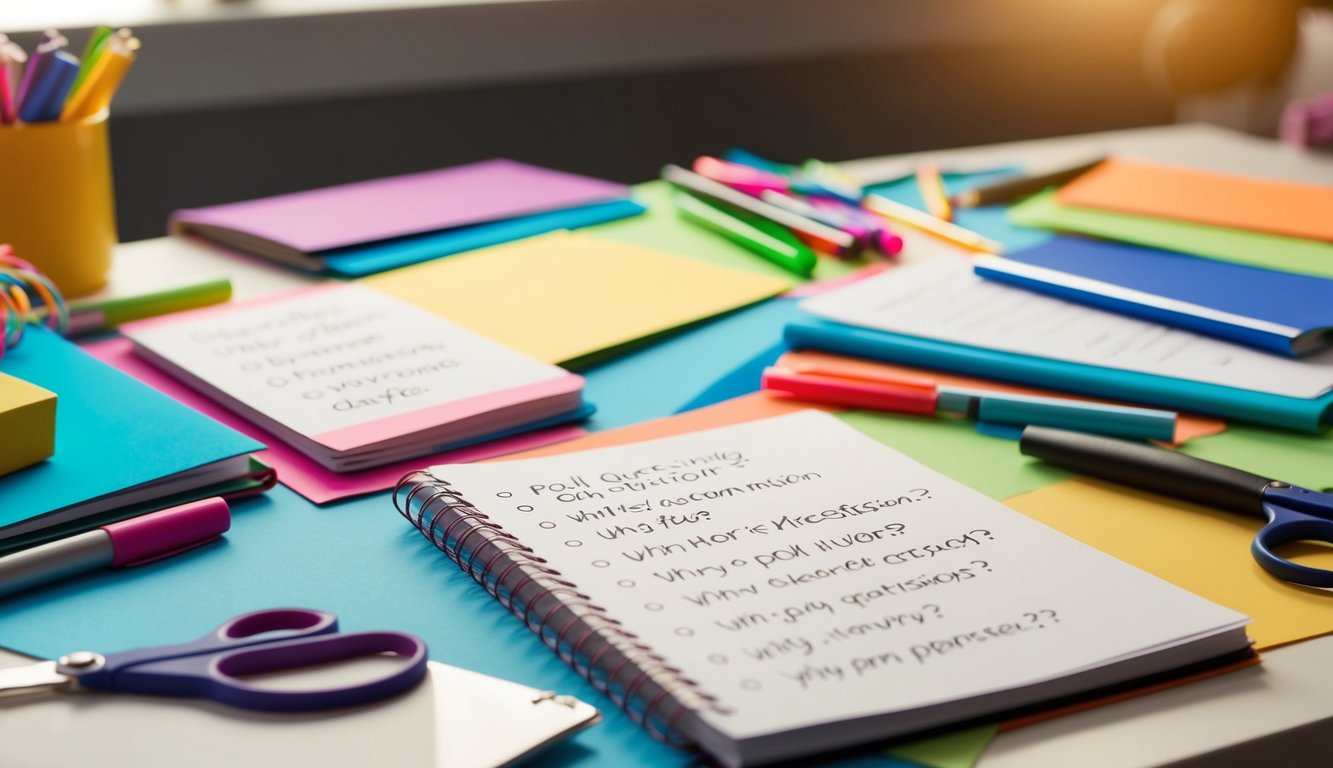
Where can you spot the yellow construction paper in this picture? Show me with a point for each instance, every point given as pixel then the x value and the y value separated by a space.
pixel 1203 550
pixel 566 296
pixel 27 424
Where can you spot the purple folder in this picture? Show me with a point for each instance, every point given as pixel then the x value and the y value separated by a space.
pixel 296 227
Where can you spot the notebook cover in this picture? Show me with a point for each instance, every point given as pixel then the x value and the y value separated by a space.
pixel 1206 197
pixel 380 209
pixel 1213 399
pixel 100 410
pixel 1301 303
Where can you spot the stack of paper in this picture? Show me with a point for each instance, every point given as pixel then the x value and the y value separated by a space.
pixel 369 226
pixel 354 378
pixel 120 449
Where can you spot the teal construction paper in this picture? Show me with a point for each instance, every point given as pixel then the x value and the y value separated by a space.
pixel 358 559
pixel 112 432
pixel 362 260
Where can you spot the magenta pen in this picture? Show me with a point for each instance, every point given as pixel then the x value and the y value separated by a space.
pixel 884 238
pixel 136 541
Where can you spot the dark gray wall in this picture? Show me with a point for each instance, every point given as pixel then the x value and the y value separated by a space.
pixel 625 128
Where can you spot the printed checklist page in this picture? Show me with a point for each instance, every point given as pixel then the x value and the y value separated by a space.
pixel 795 559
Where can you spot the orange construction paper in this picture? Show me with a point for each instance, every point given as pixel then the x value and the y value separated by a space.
pixel 1187 426
pixel 750 407
pixel 1205 197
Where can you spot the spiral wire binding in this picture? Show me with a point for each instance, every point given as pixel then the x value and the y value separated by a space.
pixel 436 500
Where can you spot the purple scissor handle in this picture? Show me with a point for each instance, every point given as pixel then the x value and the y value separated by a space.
pixel 272 640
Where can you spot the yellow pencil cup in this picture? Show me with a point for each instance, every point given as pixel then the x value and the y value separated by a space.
pixel 56 202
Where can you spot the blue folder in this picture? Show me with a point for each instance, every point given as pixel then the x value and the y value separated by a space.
pixel 112 433
pixel 361 260
pixel 1161 391
pixel 1278 312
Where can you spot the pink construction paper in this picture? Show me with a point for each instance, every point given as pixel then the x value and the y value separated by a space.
pixel 824 286
pixel 366 211
pixel 295 470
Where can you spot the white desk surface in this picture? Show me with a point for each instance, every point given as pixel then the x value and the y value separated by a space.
pixel 1282 709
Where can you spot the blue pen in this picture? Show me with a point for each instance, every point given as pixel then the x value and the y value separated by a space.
pixel 46 95
pixel 50 42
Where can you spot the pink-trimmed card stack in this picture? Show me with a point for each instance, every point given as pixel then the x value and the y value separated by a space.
pixel 353 378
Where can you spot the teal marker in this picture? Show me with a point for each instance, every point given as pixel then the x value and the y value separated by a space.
pixel 759 235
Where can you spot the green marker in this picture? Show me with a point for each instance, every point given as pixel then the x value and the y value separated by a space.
pixel 89 316
pixel 772 241
pixel 91 52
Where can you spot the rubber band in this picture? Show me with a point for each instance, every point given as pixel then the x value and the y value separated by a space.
pixel 27 296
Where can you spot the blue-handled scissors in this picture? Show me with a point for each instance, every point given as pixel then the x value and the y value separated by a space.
pixel 1291 513
pixel 213 667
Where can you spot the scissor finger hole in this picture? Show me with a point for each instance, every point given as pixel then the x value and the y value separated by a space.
pixel 277 620
pixel 1312 553
pixel 346 673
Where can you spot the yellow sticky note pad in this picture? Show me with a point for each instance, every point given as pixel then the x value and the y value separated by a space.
pixel 1203 550
pixel 566 296
pixel 27 424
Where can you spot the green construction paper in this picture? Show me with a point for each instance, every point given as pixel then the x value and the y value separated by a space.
pixel 1289 254
pixel 960 749
pixel 1295 457
pixel 991 465
pixel 660 227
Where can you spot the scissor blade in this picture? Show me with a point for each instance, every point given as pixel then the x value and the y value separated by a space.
pixel 34 678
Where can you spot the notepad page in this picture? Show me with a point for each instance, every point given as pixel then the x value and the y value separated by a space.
pixel 942 299
pixel 330 362
pixel 803 573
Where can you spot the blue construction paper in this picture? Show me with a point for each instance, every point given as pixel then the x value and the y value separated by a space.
pixel 667 377
pixel 361 260
pixel 1302 302
pixel 1177 394
pixel 100 412
pixel 743 380
pixel 359 559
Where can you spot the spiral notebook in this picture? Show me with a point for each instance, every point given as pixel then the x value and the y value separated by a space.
pixel 787 586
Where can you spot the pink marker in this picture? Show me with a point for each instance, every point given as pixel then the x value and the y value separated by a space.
pixel 136 541
pixel 742 178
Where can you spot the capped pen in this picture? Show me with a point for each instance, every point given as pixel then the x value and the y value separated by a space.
pixel 752 181
pixel 12 59
pixel 924 397
pixel 906 214
pixel 131 542
pixel 819 236
pixel 1011 189
pixel 103 77
pixel 931 185
pixel 863 234
pixel 763 237
pixel 885 239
